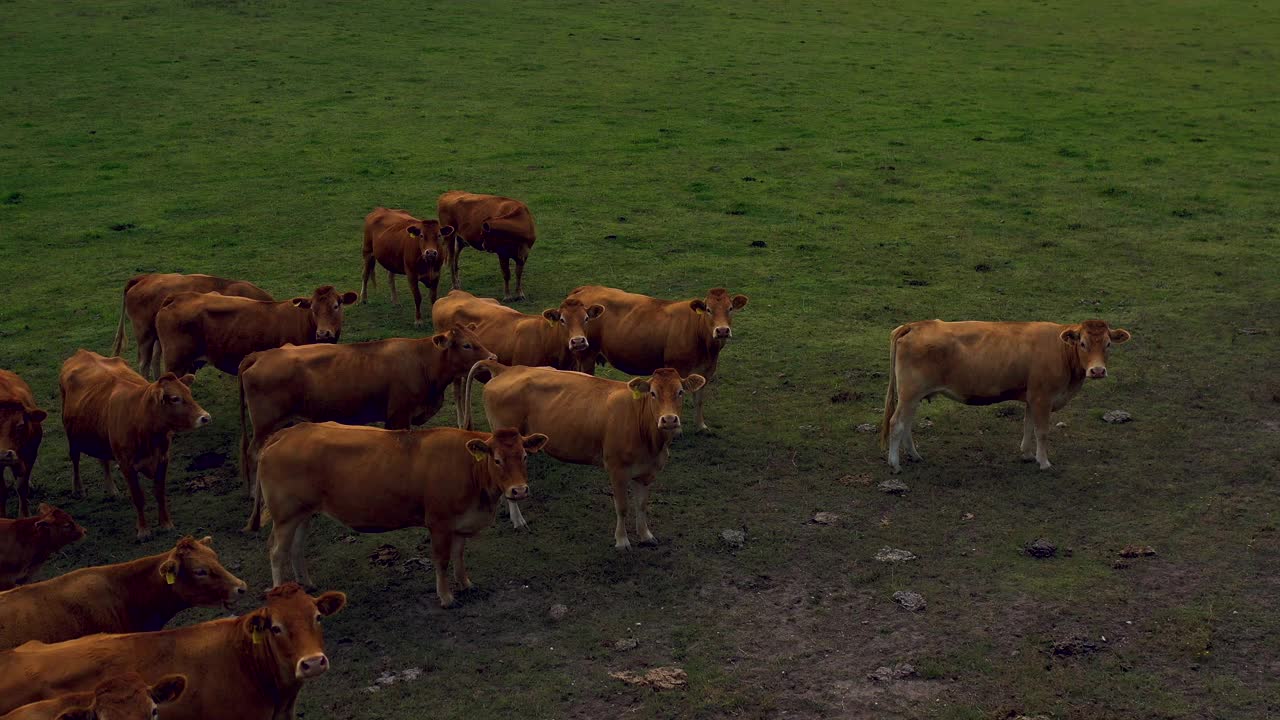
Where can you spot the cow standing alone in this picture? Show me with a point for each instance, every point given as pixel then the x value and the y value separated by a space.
pixel 491 223
pixel 404 245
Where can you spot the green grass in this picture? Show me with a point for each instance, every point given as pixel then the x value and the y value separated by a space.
pixel 902 160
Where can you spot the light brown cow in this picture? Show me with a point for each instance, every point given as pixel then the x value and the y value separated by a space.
pixel 556 338
pixel 26 543
pixel 250 667
pixel 626 428
pixel 398 382
pixel 196 328
pixel 124 697
pixel 144 294
pixel 141 595
pixel 404 245
pixel 375 480
pixel 639 334
pixel 1042 364
pixel 21 431
pixel 491 223
pixel 111 413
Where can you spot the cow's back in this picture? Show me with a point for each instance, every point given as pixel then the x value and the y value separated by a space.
pixel 573 409
pixel 13 389
pixel 87 382
pixel 979 362
pixel 636 333
pixel 148 292
pixel 467 212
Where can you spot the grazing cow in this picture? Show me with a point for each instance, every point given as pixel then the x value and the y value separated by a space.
pixel 375 480
pixel 399 382
pixel 140 595
pixel 494 224
pixel 626 428
pixel 640 334
pixel 144 294
pixel 111 413
pixel 196 328
pixel 404 245
pixel 1042 364
pixel 20 434
pixel 124 697
pixel 26 543
pixel 250 667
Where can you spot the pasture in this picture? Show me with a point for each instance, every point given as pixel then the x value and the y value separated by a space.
pixel 898 161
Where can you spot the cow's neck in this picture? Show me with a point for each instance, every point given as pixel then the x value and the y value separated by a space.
pixel 261 667
pixel 145 425
pixel 302 324
pixel 144 599
pixel 434 361
pixel 1072 362
pixel 27 550
pixel 707 340
pixel 489 491
pixel 655 440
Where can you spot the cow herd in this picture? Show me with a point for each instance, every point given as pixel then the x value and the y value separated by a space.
pixel 95 643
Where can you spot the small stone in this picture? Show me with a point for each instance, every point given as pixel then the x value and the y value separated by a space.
pixel 912 601
pixel 349 539
pixel 626 644
pixel 1074 646
pixel 663 678
pixel 868 428
pixel 1133 551
pixel 1060 425
pixel 825 518
pixel 1115 417
pixel 893 486
pixel 852 480
pixel 926 423
pixel 1253 331
pixel 385 555
pixel 557 612
pixel 759 243
pixel 889 673
pixel 893 555
pixel 1120 565
pixel 734 538
pixel 966 517
pixel 1041 548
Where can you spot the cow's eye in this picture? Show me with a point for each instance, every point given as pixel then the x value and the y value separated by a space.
pixel 201 572
pixel 497 462
pixel 175 399
pixel 319 617
pixel 653 393
pixel 276 629
pixel 680 393
pixel 466 346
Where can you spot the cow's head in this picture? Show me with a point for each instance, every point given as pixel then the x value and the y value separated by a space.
pixel 325 305
pixel 665 391
pixel 428 238
pixel 18 425
pixel 1092 340
pixel 55 528
pixel 506 452
pixel 573 316
pixel 461 348
pixel 172 405
pixel 193 572
pixel 717 310
pixel 287 630
pixel 129 697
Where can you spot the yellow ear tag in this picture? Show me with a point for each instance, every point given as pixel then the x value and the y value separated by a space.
pixel 550 322
pixel 698 311
pixel 257 637
pixel 479 456
pixel 170 578
pixel 636 394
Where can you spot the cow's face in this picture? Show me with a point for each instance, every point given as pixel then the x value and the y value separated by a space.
pixel 506 451
pixel 289 627
pixel 428 238
pixel 195 574
pixel 461 348
pixel 325 305
pixel 129 697
pixel 665 390
pixel 56 527
pixel 718 309
pixel 1092 340
pixel 173 404
pixel 18 424
pixel 573 316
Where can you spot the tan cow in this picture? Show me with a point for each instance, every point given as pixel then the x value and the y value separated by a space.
pixel 111 413
pixel 124 697
pixel 1042 364
pixel 140 595
pixel 21 430
pixel 398 382
pixel 404 245
pixel 195 328
pixel 375 480
pixel 556 338
pixel 626 428
pixel 250 667
pixel 144 294
pixel 491 223
pixel 26 543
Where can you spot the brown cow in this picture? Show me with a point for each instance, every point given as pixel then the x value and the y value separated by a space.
pixel 640 334
pixel 141 595
pixel 376 480
pixel 1042 364
pixel 144 294
pixel 491 223
pixel 26 543
pixel 557 337
pixel 404 245
pixel 125 697
pixel 399 382
pixel 20 434
pixel 111 413
pixel 626 428
pixel 196 328
pixel 250 667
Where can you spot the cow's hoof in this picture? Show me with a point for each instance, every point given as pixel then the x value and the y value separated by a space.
pixel 650 541
pixel 114 494
pixel 1046 465
pixel 702 428
pixel 521 525
pixel 417 323
pixel 145 534
pixel 1027 458
pixel 167 525
pixel 448 603
pixel 624 544
pixel 77 494
pixel 895 469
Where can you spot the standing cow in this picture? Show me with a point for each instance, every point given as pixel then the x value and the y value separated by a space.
pixel 404 245
pixel 21 431
pixel 639 334
pixel 111 413
pixel 491 223
pixel 1042 364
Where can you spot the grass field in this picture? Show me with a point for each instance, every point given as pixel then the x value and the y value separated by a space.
pixel 901 160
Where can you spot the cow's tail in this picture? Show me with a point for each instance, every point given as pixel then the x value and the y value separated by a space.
pixel 118 344
pixel 891 395
pixel 246 459
pixel 494 368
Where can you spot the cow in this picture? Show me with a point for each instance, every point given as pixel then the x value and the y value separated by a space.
pixel 250 667
pixel 399 382
pixel 21 431
pixel 195 328
pixel 124 697
pixel 26 543
pixel 491 223
pixel 625 428
pixel 556 338
pixel 376 480
pixel 1042 364
pixel 404 245
pixel 639 334
pixel 144 294
pixel 111 413
pixel 140 595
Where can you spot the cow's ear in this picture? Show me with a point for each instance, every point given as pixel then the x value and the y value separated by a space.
pixel 472 326
pixel 739 302
pixel 301 302
pixel 552 315
pixel 187 380
pixel 534 443
pixel 44 509
pixel 330 602
pixel 441 340
pixel 1119 336
pixel 484 227
pixel 595 311
pixel 698 306
pixel 415 231
pixel 169 571
pixel 81 713
pixel 1070 336
pixel 479 449
pixel 639 386
pixel 349 297
pixel 207 540
pixel 169 689
pixel 36 415
pixel 693 383
pixel 446 231
pixel 257 624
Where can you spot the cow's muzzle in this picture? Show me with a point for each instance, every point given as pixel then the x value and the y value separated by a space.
pixel 1097 372
pixel 312 665
pixel 431 255
pixel 669 422
pixel 518 492
pixel 204 419
pixel 326 336
pixel 8 457
pixel 723 332
pixel 578 343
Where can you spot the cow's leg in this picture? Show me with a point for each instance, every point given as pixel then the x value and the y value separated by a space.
pixel 460 577
pixel 391 280
pixel 417 300
pixel 365 274
pixel 139 501
pixel 283 535
pixel 298 554
pixel 517 518
pixel 520 260
pixel 699 396
pixel 4 495
pixel 640 486
pixel 107 481
pixel 146 352
pixel 23 482
pixel 455 249
pixel 77 487
pixel 157 359
pixel 457 400
pixel 1028 436
pixel 900 427
pixel 504 263
pixel 619 479
pixel 1040 410
pixel 441 552
pixel 158 488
